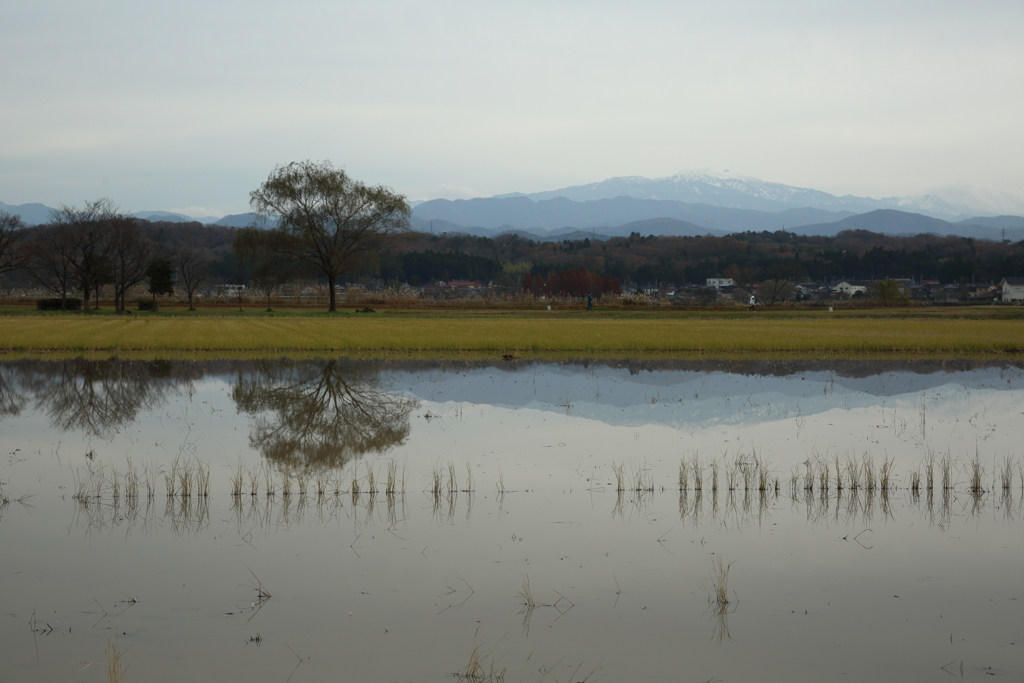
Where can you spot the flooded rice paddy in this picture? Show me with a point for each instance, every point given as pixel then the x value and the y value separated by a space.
pixel 669 521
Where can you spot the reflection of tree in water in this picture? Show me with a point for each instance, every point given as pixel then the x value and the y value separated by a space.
pixel 12 394
pixel 320 414
pixel 101 397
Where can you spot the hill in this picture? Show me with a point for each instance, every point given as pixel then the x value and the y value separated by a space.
pixel 31 214
pixel 892 222
pixel 733 190
pixel 558 213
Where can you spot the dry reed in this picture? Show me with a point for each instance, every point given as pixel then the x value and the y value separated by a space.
pixel 1005 473
pixel 371 480
pixel 975 475
pixel 617 470
pixel 389 487
pixel 720 581
pixel 453 484
pixel 885 473
pixel 436 479
pixel 115 670
pixel 262 594
pixel 526 594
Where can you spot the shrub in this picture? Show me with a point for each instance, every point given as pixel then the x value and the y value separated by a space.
pixel 71 304
pixel 147 304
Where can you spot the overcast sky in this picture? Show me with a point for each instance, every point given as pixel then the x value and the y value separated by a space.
pixel 188 105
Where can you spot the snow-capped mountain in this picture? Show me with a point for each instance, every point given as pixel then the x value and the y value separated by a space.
pixel 733 190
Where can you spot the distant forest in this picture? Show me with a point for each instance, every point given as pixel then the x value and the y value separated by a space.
pixel 422 258
pixel 653 260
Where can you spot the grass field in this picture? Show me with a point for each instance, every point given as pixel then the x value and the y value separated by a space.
pixel 474 311
pixel 451 333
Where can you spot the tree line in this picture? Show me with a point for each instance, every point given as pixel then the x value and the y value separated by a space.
pixel 331 228
pixel 326 226
pixel 83 249
pixel 650 260
pixel 571 281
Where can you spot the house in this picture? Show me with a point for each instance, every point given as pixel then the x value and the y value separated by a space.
pixel 719 282
pixel 984 291
pixel 850 287
pixel 1013 289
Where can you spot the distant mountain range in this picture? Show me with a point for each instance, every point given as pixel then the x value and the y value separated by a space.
pixel 599 219
pixel 559 213
pixel 170 217
pixel 732 190
pixel 35 214
pixel 892 222
pixel 686 204
pixel 707 203
pixel 31 214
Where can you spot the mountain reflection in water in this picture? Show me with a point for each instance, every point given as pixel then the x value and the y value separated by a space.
pixel 324 413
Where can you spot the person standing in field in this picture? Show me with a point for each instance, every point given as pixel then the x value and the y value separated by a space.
pixel 753 303
pixel 590 301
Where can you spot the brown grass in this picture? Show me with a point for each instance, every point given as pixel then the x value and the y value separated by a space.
pixel 720 581
pixel 115 669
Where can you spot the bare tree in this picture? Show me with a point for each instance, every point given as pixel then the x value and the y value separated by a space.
pixel 130 256
pixel 52 261
pixel 13 256
pixel 743 278
pixel 86 234
pixel 780 286
pixel 263 254
pixel 334 223
pixel 776 290
pixel 192 266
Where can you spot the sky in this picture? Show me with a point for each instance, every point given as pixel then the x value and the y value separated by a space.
pixel 189 105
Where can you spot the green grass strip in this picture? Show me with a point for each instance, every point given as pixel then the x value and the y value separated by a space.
pixel 575 337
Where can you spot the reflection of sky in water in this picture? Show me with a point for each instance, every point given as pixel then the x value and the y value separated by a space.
pixel 666 415
pixel 590 416
pixel 687 399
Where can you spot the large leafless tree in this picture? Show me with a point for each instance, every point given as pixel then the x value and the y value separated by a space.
pixel 263 255
pixel 193 268
pixel 86 234
pixel 52 261
pixel 13 254
pixel 334 223
pixel 130 255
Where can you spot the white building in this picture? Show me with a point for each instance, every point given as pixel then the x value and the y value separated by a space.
pixel 851 287
pixel 1013 289
pixel 719 282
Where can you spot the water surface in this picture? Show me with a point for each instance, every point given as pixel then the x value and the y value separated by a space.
pixel 825 584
